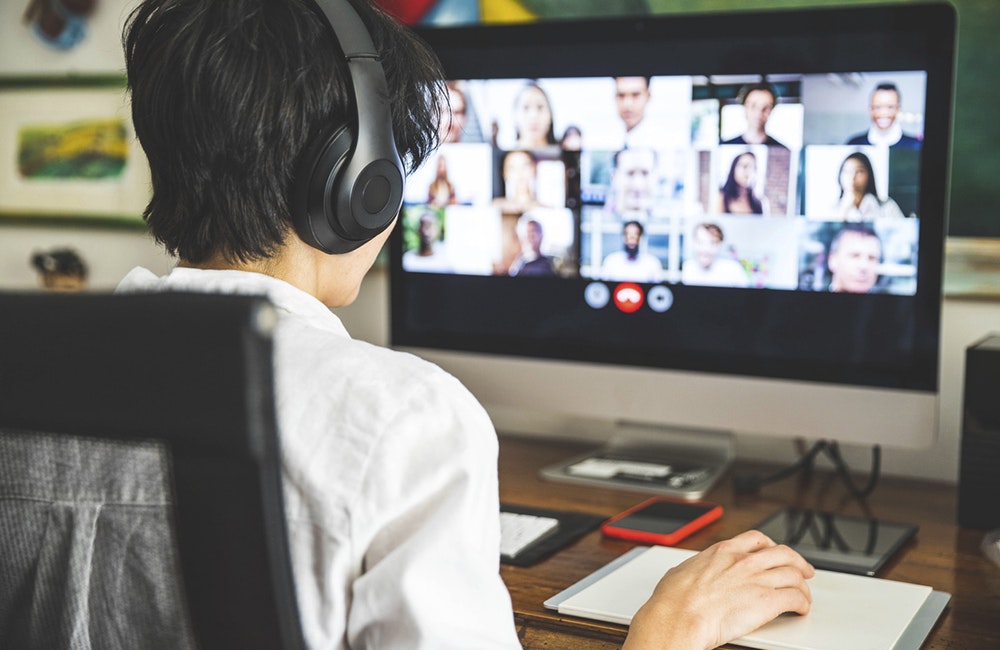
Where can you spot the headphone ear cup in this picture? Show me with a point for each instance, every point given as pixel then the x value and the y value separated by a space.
pixel 338 207
pixel 371 193
pixel 314 193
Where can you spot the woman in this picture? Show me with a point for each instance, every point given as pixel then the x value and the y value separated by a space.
pixel 441 191
pixel 858 197
pixel 736 196
pixel 533 118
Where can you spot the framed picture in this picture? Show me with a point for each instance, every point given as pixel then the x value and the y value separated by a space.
pixel 70 153
pixel 60 38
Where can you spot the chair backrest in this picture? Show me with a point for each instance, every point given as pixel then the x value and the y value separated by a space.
pixel 94 389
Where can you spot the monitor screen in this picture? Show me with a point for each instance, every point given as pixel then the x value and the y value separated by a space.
pixel 756 195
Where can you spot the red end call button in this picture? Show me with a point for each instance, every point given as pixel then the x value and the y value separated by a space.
pixel 628 297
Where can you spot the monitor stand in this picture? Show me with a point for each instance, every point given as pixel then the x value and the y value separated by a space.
pixel 683 463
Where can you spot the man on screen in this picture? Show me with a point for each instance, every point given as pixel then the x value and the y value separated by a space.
pixel 531 261
pixel 631 97
pixel 855 255
pixel 885 130
pixel 630 264
pixel 758 101
pixel 633 182
pixel 705 267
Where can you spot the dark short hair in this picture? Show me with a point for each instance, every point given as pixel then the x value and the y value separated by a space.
pixel 226 96
pixel 635 223
pixel 861 229
pixel 60 261
pixel 749 88
pixel 712 229
pixel 648 78
pixel 890 86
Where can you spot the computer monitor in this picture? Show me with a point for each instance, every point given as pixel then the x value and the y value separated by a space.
pixel 730 222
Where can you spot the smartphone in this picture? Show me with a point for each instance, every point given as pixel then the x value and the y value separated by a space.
pixel 661 520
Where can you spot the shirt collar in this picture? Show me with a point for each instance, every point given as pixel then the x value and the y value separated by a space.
pixel 885 138
pixel 285 297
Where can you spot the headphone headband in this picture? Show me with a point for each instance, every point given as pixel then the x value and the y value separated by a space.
pixel 350 183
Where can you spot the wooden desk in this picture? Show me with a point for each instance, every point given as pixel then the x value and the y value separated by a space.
pixel 943 556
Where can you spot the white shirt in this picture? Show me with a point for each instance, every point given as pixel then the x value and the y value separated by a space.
pixel 724 272
pixel 887 138
pixel 642 268
pixel 390 482
pixel 645 135
pixel 869 210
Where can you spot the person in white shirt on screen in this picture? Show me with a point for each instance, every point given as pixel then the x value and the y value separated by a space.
pixel 885 131
pixel 633 184
pixel 390 464
pixel 859 200
pixel 631 99
pixel 705 267
pixel 631 263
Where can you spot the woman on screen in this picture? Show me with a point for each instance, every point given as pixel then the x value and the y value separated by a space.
pixel 859 199
pixel 737 195
pixel 441 191
pixel 533 118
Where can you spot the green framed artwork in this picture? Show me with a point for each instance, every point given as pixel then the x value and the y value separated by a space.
pixel 70 153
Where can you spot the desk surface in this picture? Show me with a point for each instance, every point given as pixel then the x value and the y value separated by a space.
pixel 943 555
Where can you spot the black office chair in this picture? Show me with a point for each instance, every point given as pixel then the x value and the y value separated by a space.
pixel 138 435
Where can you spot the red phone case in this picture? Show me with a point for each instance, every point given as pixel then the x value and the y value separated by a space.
pixel 711 513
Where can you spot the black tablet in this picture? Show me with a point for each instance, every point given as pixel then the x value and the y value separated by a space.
pixel 838 542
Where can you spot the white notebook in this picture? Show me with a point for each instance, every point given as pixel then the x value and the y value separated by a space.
pixel 848 611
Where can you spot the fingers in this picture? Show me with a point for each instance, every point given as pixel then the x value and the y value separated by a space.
pixel 782 556
pixel 795 599
pixel 788 584
pixel 763 553
pixel 782 573
pixel 749 541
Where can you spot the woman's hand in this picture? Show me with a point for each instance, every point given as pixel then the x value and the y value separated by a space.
pixel 726 591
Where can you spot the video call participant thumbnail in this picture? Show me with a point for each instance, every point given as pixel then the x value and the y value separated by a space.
pixel 705 267
pixel 854 258
pixel 885 131
pixel 630 263
pixel 758 101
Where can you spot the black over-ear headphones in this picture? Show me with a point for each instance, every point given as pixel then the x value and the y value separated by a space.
pixel 349 184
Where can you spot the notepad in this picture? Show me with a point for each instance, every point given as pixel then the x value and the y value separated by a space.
pixel 848 611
